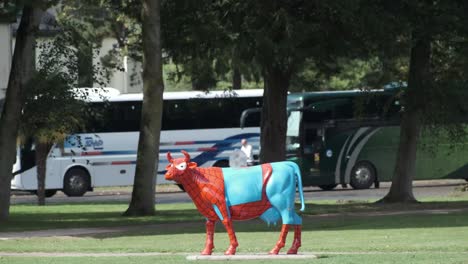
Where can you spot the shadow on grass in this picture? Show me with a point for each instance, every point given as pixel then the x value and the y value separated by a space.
pixel 335 223
pixel 345 216
pixel 350 207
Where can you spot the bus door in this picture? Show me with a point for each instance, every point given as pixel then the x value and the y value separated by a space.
pixel 312 153
pixel 54 168
pixel 313 137
pixel 315 152
pixel 304 142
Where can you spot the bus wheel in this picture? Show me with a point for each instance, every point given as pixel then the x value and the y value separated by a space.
pixel 48 193
pixel 363 175
pixel 221 164
pixel 328 187
pixel 76 182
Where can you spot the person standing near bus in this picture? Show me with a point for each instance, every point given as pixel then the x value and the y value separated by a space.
pixel 247 150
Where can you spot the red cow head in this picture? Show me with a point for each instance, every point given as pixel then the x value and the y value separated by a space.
pixel 178 166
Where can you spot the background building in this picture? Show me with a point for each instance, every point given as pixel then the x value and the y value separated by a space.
pixel 126 80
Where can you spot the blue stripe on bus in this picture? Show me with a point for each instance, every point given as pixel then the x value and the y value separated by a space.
pixel 209 153
pixel 180 143
pixel 131 152
pixel 195 142
pixel 113 152
pixel 220 145
pixel 227 143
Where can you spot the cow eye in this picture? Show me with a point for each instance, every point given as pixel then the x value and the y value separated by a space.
pixel 182 166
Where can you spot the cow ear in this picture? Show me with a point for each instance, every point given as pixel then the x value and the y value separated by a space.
pixel 192 165
pixel 168 166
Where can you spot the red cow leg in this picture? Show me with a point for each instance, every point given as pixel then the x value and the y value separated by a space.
pixel 297 240
pixel 209 245
pixel 281 241
pixel 232 237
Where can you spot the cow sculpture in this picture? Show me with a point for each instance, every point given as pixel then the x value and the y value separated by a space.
pixel 224 194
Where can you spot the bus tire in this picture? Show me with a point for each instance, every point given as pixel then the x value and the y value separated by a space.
pixel 363 175
pixel 327 187
pixel 48 193
pixel 222 164
pixel 76 182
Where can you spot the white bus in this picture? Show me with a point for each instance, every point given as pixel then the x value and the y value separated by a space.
pixel 206 125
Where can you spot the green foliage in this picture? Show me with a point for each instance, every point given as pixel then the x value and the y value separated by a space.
pixel 337 45
pixel 51 111
pixel 84 26
pixel 349 74
pixel 194 39
pixel 8 11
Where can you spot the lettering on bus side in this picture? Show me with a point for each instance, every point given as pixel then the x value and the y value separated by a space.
pixel 94 143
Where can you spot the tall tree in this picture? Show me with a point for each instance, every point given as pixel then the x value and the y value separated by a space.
pixel 435 83
pixel 143 201
pixel 279 36
pixel 22 70
pixel 419 79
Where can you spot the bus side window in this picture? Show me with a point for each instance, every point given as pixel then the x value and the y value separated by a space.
pixel 343 110
pixel 312 140
pixel 253 120
pixel 181 114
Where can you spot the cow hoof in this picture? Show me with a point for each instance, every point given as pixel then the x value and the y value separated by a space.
pixel 230 251
pixel 292 251
pixel 208 250
pixel 274 251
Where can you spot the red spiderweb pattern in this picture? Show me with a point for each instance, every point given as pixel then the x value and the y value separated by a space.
pixel 206 188
pixel 254 209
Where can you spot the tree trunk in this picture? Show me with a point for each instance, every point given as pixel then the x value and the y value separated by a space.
pixel 22 70
pixel 274 116
pixel 401 190
pixel 236 79
pixel 42 150
pixel 143 199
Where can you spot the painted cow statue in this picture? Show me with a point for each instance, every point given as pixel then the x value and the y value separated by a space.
pixel 225 194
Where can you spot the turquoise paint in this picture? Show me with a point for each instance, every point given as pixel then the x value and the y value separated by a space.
pixel 270 216
pixel 218 212
pixel 281 190
pixel 243 185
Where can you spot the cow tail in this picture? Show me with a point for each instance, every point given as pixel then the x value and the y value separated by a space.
pixel 297 172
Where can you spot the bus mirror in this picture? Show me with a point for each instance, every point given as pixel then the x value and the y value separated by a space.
pixel 246 113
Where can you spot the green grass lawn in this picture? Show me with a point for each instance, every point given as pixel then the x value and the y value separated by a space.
pixel 178 229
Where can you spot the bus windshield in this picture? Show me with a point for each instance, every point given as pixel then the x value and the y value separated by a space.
pixel 292 132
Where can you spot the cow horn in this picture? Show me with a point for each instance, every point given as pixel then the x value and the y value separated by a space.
pixel 169 157
pixel 187 156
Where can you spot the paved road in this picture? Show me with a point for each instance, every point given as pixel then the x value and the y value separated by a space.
pixel 421 189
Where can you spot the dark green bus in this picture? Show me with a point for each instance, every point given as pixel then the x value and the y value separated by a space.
pixel 351 137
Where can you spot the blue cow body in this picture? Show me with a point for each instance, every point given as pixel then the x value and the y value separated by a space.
pixel 245 185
